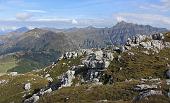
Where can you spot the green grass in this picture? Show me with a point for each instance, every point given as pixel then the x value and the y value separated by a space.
pixel 60 68
pixel 7 63
pixel 167 37
pixel 140 65
pixel 13 90
pixel 92 94
pixel 26 65
pixel 29 61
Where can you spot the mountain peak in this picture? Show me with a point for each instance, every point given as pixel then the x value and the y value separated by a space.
pixel 90 27
pixel 123 23
pixel 22 29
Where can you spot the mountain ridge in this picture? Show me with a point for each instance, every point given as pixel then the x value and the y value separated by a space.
pixel 58 41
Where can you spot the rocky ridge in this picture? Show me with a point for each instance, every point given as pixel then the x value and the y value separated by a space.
pixel 94 68
pixel 96 61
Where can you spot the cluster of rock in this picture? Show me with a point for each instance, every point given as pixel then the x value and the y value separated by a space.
pixel 95 63
pixel 98 60
pixel 154 42
pixel 91 66
pixel 148 93
pixel 73 54
pixel 148 89
pixel 65 80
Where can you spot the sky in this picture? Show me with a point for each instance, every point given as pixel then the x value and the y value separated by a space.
pixel 82 13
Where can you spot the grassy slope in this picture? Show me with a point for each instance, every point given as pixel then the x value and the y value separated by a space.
pixel 138 66
pixel 26 63
pixel 134 67
pixel 13 90
pixel 91 94
pixel 7 63
pixel 60 68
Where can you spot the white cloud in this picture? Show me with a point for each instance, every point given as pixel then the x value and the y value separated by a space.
pixel 120 18
pixel 164 5
pixel 74 21
pixel 23 16
pixel 7 28
pixel 35 11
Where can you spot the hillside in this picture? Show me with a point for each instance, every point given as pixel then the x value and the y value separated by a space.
pixel 35 49
pixel 138 72
pixel 43 46
pixel 90 37
pixel 123 30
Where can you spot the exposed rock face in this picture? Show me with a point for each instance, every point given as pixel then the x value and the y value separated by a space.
pixel 98 60
pixel 122 30
pixel 157 44
pixel 67 78
pixel 154 42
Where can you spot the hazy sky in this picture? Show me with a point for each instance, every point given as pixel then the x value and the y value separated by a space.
pixel 78 13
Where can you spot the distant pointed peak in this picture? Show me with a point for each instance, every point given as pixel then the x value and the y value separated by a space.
pixel 123 22
pixel 22 29
pixel 90 27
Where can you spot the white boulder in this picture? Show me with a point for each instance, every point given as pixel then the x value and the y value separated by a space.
pixel 14 73
pixel 27 86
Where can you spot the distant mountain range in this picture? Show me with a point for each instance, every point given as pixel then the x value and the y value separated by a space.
pixel 4 31
pixel 51 41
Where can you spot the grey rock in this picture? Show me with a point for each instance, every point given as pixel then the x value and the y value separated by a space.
pixel 27 86
pixel 67 78
pixel 14 73
pixel 147 45
pixel 157 44
pixel 50 79
pixel 158 36
pixel 33 99
pixel 168 73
